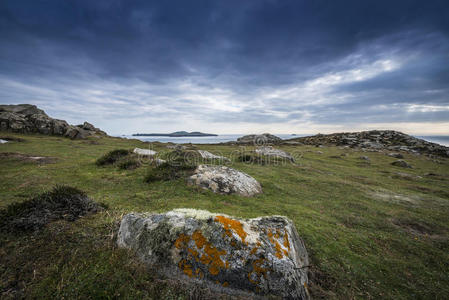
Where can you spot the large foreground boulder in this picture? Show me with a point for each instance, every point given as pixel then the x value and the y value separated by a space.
pixel 27 118
pixel 259 139
pixel 263 256
pixel 225 180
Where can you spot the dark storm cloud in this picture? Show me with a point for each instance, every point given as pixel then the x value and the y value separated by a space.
pixel 228 61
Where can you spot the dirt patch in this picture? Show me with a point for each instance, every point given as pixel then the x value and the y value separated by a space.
pixel 63 202
pixel 395 198
pixel 418 228
pixel 12 139
pixel 28 157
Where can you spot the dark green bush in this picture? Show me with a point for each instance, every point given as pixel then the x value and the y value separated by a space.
pixel 170 171
pixel 111 157
pixel 128 163
pixel 63 202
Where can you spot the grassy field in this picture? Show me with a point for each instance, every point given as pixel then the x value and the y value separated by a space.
pixel 372 230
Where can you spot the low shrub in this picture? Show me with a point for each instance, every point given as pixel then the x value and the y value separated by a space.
pixel 170 171
pixel 63 202
pixel 128 163
pixel 111 157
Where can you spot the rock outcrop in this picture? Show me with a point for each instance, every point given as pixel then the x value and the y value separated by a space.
pixel 263 256
pixel 27 118
pixel 270 151
pixel 377 140
pixel 259 139
pixel 225 180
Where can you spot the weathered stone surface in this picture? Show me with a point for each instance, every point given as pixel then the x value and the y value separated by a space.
pixel 364 157
pixel 263 256
pixel 3 141
pixel 259 139
pixel 146 152
pixel 270 151
pixel 26 118
pixel 207 155
pixel 401 163
pixel 379 140
pixel 396 155
pixel 225 180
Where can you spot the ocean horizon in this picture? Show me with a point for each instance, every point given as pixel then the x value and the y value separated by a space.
pixel 222 138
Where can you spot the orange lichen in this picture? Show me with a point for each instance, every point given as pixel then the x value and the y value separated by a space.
pixel 232 225
pixel 186 268
pixel 286 241
pixel 276 244
pixel 258 270
pixel 225 284
pixel 181 241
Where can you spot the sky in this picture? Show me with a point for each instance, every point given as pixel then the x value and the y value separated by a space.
pixel 230 67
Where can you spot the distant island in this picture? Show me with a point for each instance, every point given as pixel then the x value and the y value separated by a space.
pixel 176 134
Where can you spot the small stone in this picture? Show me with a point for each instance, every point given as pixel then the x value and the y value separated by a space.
pixel 396 155
pixel 401 163
pixel 364 157
pixel 145 152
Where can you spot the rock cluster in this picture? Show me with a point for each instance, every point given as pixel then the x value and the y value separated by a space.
pixel 225 180
pixel 27 118
pixel 377 140
pixel 259 139
pixel 263 256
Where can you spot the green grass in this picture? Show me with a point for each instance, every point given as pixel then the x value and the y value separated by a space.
pixel 370 231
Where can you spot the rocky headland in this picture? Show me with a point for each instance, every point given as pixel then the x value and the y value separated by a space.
pixel 375 140
pixel 27 118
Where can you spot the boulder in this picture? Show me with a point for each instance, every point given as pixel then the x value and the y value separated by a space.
pixel 225 180
pixel 396 155
pixel 270 151
pixel 207 155
pixel 145 152
pixel 259 139
pixel 74 132
pixel 401 163
pixel 3 141
pixel 262 257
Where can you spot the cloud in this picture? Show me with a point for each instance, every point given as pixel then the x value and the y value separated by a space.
pixel 228 66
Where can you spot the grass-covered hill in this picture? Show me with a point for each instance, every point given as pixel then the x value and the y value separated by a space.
pixel 373 230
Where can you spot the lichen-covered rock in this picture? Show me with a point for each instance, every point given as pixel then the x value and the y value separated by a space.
pixel 225 180
pixel 207 155
pixel 270 151
pixel 263 256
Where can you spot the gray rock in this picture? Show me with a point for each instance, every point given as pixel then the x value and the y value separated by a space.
pixel 259 257
pixel 364 157
pixel 401 163
pixel 259 139
pixel 396 155
pixel 207 155
pixel 270 151
pixel 74 132
pixel 225 180
pixel 3 141
pixel 145 152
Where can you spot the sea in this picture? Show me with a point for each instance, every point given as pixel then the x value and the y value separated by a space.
pixel 439 139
